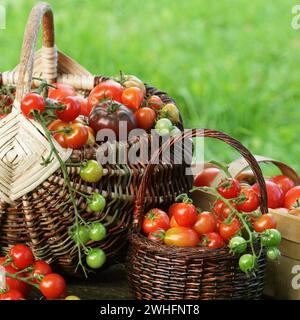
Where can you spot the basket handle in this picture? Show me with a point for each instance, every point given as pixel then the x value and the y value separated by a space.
pixel 40 12
pixel 192 133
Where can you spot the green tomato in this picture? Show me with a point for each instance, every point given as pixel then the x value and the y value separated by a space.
pixel 91 171
pixel 175 131
pixel 97 231
pixel 81 235
pixel 273 253
pixel 163 124
pixel 238 244
pixel 96 258
pixel 97 202
pixel 171 112
pixel 247 262
pixel 271 238
pixel 72 298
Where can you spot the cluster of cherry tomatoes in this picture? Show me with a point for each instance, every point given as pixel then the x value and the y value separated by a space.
pixel 7 96
pixel 22 273
pixel 233 221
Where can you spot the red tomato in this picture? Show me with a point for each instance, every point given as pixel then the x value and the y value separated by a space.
pixel 76 139
pixel 109 89
pixel 228 230
pixel 222 210
pixel 284 182
pixel 264 222
pixel 229 188
pixel 132 97
pixel 145 118
pixel 32 101
pixel 41 268
pixel 71 109
pixel 212 240
pixel 13 283
pixel 155 219
pixel 173 222
pixel 12 294
pixel 275 194
pixel 206 222
pixel 62 90
pixel 85 109
pixel 157 235
pixel 251 202
pixel 206 177
pixel 181 237
pixel 155 102
pixel 53 286
pixel 292 198
pixel 185 214
pixel 22 256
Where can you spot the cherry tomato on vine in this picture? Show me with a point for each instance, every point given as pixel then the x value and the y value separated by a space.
pixel 228 230
pixel 212 240
pixel 222 210
pixel 41 268
pixel 181 237
pixel 61 91
pixel 237 244
pixel 155 102
pixel 154 219
pixel 229 188
pixel 185 214
pixel 32 101
pixel 271 238
pixel 81 234
pixel 132 97
pixel 12 294
pixel 206 222
pixel 284 182
pixel 53 286
pixel 206 177
pixel 85 109
pixel 145 118
pixel 97 231
pixel 91 171
pixel 22 256
pixel 251 201
pixel 292 198
pixel 266 221
pixel 96 258
pixel 247 262
pixel 275 194
pixel 97 202
pixel 273 253
pixel 157 235
pixel 71 109
pixel 77 137
pixel 109 89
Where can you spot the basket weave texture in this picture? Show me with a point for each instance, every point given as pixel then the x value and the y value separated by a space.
pixel 34 215
pixel 157 271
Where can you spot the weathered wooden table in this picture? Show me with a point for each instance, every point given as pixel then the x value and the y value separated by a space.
pixel 112 285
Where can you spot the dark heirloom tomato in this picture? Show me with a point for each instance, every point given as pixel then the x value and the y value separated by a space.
pixel 114 117
pixel 109 89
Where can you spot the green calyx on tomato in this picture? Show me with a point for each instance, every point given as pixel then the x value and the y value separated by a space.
pixel 96 202
pixel 271 238
pixel 91 171
pixel 95 258
pixel 97 231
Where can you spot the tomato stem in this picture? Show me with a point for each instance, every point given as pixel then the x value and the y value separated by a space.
pixel 222 166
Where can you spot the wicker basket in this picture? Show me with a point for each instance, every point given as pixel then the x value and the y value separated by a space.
pixel 30 210
pixel 157 271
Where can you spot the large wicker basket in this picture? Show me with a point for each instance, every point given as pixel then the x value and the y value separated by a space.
pixel 157 271
pixel 30 207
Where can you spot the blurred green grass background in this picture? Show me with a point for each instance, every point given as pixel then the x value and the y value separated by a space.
pixel 231 65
